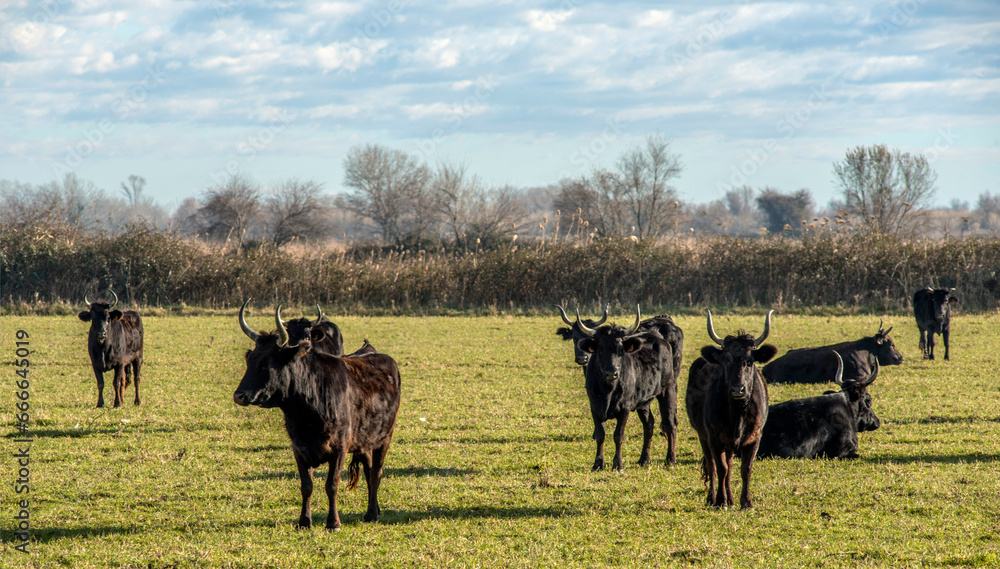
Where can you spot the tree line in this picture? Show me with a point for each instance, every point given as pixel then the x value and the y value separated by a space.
pixel 394 199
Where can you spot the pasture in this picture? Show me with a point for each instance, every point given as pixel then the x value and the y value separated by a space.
pixel 490 462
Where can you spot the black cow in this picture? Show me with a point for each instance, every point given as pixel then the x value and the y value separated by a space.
pixel 817 365
pixel 627 369
pixel 300 329
pixel 114 343
pixel 932 309
pixel 825 425
pixel 575 334
pixel 727 406
pixel 332 406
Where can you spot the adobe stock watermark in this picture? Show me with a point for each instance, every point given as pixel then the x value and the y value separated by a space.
pixel 471 105
pixel 707 33
pixel 943 142
pixel 122 108
pixel 248 148
pixel 586 156
pixel 902 15
pixel 787 126
pixel 47 10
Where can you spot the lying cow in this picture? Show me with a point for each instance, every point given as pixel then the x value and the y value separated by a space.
pixel 818 365
pixel 332 406
pixel 932 309
pixel 826 425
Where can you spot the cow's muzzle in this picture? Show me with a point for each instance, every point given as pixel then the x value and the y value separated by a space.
pixel 241 398
pixel 739 394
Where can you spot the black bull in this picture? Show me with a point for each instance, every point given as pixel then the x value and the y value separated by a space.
pixel 627 369
pixel 932 309
pixel 727 406
pixel 114 343
pixel 822 426
pixel 332 406
pixel 818 365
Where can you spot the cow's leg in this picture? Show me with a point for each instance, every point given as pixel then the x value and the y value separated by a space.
pixel 930 344
pixel 668 423
pixel 648 426
pixel 620 423
pixel 722 477
pixel 708 473
pixel 746 468
pixel 373 475
pixel 332 487
pixel 944 338
pixel 923 343
pixel 136 367
pixel 100 387
pixel 599 439
pixel 728 457
pixel 118 383
pixel 306 485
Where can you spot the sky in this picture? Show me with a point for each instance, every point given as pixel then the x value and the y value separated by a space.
pixel 186 93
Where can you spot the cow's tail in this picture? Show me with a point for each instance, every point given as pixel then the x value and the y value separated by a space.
pixel 704 470
pixel 354 472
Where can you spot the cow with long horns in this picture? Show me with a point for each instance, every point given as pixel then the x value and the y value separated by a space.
pixel 332 406
pixel 573 333
pixel 817 365
pixel 825 425
pixel 932 309
pixel 627 369
pixel 114 344
pixel 727 406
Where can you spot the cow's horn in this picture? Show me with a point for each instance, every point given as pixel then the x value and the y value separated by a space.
pixel 246 327
pixel 711 329
pixel 319 316
pixel 874 375
pixel 879 326
pixel 563 314
pixel 767 329
pixel 838 378
pixel 605 317
pixel 86 294
pixel 282 333
pixel 635 325
pixel 115 303
pixel 583 327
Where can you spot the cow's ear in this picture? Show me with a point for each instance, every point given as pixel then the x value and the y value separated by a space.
pixel 85 316
pixel 632 344
pixel 317 334
pixel 852 391
pixel 711 353
pixel 564 333
pixel 115 315
pixel 763 354
pixel 588 345
pixel 952 300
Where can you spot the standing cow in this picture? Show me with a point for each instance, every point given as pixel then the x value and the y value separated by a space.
pixel 932 309
pixel 825 425
pixel 627 369
pixel 727 406
pixel 817 365
pixel 332 406
pixel 300 329
pixel 114 343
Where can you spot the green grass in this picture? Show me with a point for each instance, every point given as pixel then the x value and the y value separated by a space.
pixel 490 463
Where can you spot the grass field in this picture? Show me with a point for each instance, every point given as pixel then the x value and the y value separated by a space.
pixel 490 463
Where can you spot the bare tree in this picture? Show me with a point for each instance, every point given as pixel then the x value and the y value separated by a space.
pixel 229 210
pixel 888 189
pixel 988 206
pixel 495 215
pixel 296 210
pixel 455 193
pixel 390 188
pixel 785 210
pixel 644 174
pixel 133 190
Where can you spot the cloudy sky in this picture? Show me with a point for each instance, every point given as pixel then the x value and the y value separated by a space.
pixel 523 93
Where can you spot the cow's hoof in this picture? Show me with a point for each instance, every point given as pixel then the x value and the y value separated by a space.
pixel 597 466
pixel 305 523
pixel 332 528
